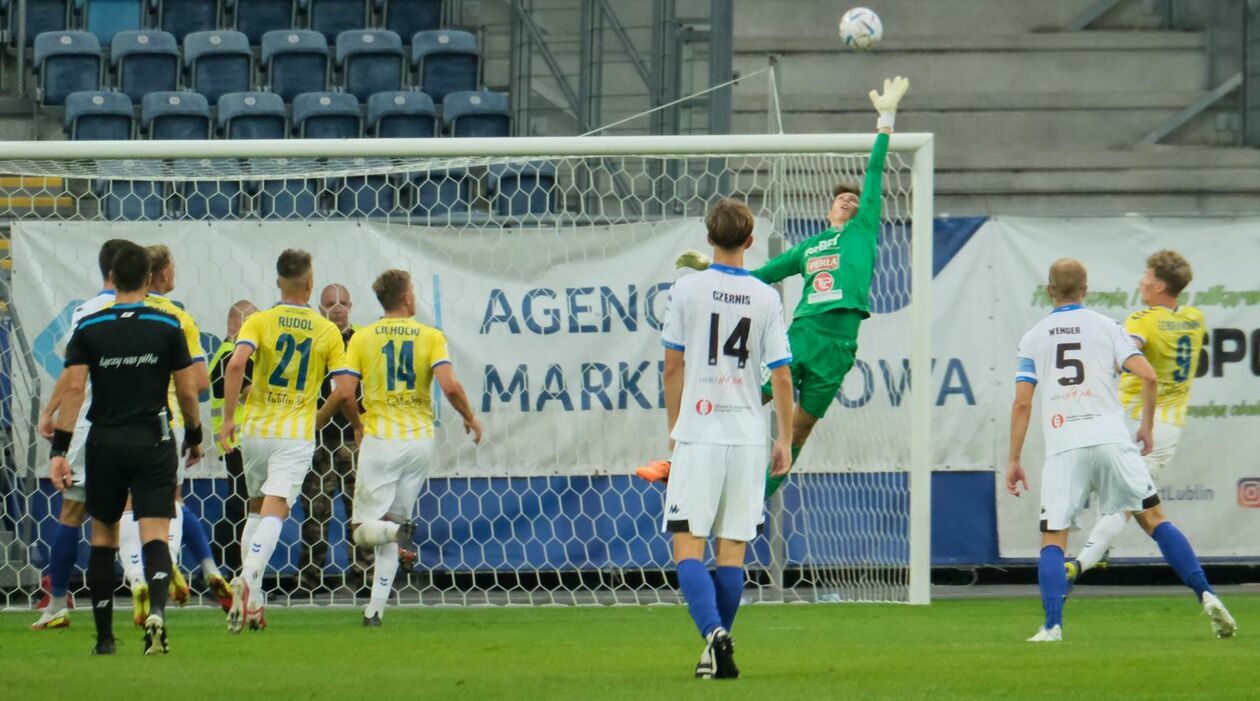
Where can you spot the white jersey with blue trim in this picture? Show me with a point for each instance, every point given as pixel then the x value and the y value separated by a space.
pixel 1074 357
pixel 727 325
pixel 102 300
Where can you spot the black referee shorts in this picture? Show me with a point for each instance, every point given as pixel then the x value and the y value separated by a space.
pixel 139 460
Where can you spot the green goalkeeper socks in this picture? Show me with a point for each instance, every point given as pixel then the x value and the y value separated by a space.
pixel 773 483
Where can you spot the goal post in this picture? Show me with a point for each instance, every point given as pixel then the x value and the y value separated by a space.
pixel 547 262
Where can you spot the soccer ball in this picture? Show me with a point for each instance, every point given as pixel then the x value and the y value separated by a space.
pixel 861 29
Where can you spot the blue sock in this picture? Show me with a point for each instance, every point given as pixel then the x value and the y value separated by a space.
pixel 64 551
pixel 1180 556
pixel 729 583
pixel 195 537
pixel 697 588
pixel 1052 579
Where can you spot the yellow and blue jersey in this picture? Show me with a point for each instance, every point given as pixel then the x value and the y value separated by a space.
pixel 293 348
pixel 1171 341
pixel 395 358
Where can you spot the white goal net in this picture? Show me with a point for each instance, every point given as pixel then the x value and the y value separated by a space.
pixel 547 263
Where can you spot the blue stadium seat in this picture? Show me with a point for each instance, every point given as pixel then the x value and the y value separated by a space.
pixel 131 200
pixel 406 17
pixel 332 17
pixel 105 18
pixel 445 61
pixel 41 16
pixel 183 17
pixel 326 115
pixel 175 115
pixel 441 193
pixel 66 62
pixel 252 115
pixel 218 63
pixel 366 196
pixel 371 61
pixel 255 18
pixel 481 113
pixel 93 115
pixel 522 189
pixel 291 198
pixel 145 62
pixel 401 115
pixel 296 61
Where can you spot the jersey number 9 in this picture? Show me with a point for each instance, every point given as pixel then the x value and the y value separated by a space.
pixel 1184 353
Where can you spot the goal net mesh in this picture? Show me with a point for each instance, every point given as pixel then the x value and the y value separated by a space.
pixel 548 275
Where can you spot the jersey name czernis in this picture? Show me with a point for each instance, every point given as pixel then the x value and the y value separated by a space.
pixel 727 324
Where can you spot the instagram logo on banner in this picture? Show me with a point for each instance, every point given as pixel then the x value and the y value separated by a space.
pixel 1249 492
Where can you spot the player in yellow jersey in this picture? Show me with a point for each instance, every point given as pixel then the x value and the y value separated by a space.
pixel 1170 336
pixel 292 347
pixel 397 359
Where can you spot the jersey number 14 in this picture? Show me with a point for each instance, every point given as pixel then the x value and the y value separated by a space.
pixel 399 364
pixel 736 345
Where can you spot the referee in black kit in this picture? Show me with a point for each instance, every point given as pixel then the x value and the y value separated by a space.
pixel 130 350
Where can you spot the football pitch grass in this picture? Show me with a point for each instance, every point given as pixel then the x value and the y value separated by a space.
pixel 1139 647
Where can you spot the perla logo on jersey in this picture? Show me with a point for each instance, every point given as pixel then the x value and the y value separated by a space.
pixel 814 265
pixel 822 245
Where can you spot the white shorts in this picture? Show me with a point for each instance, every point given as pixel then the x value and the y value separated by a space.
pixel 1166 437
pixel 75 455
pixel 1112 473
pixel 275 467
pixel 716 490
pixel 390 475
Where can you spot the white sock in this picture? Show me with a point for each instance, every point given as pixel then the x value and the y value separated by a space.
pixel 209 567
pixel 129 549
pixel 376 533
pixel 1105 531
pixel 383 577
pixel 175 536
pixel 263 544
pixel 247 534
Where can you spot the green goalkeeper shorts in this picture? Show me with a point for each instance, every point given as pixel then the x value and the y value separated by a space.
pixel 823 349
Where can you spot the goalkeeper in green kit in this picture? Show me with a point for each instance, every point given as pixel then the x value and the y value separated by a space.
pixel 837 266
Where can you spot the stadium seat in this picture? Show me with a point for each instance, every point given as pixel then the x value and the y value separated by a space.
pixel 481 113
pixel 254 18
pixel 252 115
pixel 218 63
pixel 521 189
pixel 445 61
pixel 183 17
pixel 366 196
pixel 371 61
pixel 41 16
pixel 66 62
pixel 175 115
pixel 295 61
pixel 401 115
pixel 406 17
pixel 291 198
pixel 93 115
pixel 145 62
pixel 332 17
pixel 441 193
pixel 105 18
pixel 326 115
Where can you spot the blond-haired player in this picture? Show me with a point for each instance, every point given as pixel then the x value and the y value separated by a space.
pixel 1170 335
pixel 292 347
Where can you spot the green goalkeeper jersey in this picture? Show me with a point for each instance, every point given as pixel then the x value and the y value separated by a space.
pixel 838 263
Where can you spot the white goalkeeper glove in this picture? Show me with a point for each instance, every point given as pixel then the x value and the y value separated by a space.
pixel 694 260
pixel 894 90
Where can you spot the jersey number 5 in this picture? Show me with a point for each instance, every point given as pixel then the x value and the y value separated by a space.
pixel 736 344
pixel 286 346
pixel 1062 362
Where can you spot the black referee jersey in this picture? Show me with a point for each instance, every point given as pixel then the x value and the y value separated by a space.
pixel 131 351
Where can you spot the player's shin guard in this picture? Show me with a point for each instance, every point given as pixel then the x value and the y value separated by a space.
pixel 1105 531
pixel 175 534
pixel 1180 556
pixel 198 543
pixel 383 575
pixel 697 588
pixel 129 549
pixel 1052 580
pixel 247 535
pixel 101 585
pixel 157 572
pixel 372 533
pixel 266 535
pixel 728 583
pixel 64 551
pixel 773 483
